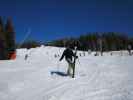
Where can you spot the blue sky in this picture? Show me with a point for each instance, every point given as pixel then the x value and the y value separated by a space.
pixel 53 19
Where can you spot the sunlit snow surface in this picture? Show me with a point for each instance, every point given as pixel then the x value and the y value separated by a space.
pixel 42 76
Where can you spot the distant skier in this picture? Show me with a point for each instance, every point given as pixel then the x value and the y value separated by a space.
pixel 129 49
pixel 26 56
pixel 69 56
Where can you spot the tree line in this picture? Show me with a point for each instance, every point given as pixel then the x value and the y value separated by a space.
pixel 29 44
pixel 95 41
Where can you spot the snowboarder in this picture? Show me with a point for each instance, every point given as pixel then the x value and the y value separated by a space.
pixel 69 57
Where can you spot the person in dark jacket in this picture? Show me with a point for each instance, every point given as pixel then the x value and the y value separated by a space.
pixel 69 56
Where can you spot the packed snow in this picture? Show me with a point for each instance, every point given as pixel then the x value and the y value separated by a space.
pixel 43 77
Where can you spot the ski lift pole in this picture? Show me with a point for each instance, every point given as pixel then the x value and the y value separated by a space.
pixel 74 62
pixel 79 62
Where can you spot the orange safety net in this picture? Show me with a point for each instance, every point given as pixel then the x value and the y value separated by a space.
pixel 13 56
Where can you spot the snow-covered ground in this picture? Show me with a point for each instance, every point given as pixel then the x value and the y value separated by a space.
pixel 97 77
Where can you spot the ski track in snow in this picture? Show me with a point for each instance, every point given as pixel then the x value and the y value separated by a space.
pixel 97 77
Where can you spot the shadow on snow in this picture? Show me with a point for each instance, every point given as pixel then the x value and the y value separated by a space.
pixel 59 73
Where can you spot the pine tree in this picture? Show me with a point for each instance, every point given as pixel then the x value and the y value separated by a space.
pixel 2 41
pixel 2 37
pixel 10 36
pixel 1 24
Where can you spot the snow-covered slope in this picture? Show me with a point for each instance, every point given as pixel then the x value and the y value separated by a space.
pixel 97 77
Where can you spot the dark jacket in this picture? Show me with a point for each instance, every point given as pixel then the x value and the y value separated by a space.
pixel 68 54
